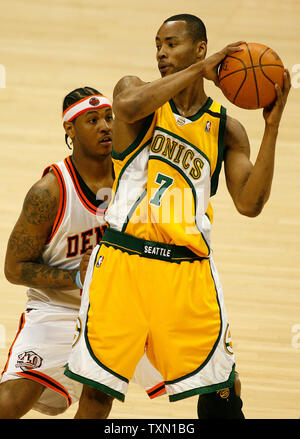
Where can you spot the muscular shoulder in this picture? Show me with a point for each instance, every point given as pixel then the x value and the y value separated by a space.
pixel 42 200
pixel 236 138
pixel 126 83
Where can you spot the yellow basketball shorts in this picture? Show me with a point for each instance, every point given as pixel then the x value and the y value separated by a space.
pixel 155 298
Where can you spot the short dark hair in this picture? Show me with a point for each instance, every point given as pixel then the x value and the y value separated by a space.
pixel 195 26
pixel 75 96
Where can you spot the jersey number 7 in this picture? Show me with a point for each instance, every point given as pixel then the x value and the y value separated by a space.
pixel 165 182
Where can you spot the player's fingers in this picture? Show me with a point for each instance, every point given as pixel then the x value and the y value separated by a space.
pixel 217 81
pixel 85 259
pixel 236 44
pixel 234 47
pixel 279 99
pixel 87 253
pixel 287 82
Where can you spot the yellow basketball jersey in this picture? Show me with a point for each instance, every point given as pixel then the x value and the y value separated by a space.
pixel 165 179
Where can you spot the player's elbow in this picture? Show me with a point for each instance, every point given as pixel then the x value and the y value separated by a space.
pixel 127 99
pixel 251 206
pixel 11 273
pixel 125 109
pixel 250 213
pixel 249 210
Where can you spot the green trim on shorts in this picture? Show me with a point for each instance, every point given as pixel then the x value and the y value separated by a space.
pixel 94 384
pixel 91 352
pixel 206 389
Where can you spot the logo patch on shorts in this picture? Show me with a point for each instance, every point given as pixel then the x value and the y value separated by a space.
pixel 224 393
pixel 29 360
pixel 78 330
pixel 227 341
pixel 99 262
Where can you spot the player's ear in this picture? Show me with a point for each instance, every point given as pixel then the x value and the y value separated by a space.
pixel 201 49
pixel 69 129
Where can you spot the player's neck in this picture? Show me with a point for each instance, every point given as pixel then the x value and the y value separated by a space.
pixel 91 169
pixel 191 99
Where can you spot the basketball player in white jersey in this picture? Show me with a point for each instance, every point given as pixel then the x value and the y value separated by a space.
pixel 48 251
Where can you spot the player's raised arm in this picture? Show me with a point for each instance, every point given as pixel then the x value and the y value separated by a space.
pixel 135 99
pixel 23 264
pixel 250 185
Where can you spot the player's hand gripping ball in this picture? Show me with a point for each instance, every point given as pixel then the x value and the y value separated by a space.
pixel 247 78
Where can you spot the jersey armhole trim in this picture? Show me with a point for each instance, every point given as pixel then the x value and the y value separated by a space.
pixel 62 200
pixel 221 136
pixel 122 155
pixel 86 203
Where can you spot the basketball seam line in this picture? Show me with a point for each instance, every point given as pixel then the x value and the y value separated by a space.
pixel 240 85
pixel 261 55
pixel 260 65
pixel 257 94
pixel 248 68
pixel 245 70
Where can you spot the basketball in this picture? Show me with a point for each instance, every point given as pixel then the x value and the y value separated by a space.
pixel 247 78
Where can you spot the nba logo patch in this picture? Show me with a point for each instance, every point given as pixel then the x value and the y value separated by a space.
pixel 208 125
pixel 100 260
pixel 180 121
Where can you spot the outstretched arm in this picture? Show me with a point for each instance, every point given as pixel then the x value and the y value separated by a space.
pixel 250 185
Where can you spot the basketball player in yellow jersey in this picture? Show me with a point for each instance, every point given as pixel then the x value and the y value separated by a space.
pixel 170 140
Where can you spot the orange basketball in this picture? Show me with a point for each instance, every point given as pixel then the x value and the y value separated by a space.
pixel 247 78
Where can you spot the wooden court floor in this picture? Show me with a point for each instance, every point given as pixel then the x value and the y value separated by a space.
pixel 49 48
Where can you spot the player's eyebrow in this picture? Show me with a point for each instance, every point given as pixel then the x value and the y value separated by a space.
pixel 167 38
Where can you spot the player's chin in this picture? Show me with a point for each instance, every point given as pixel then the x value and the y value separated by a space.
pixel 102 154
pixel 105 148
pixel 165 71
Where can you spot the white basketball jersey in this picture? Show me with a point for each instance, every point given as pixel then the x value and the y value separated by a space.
pixel 78 226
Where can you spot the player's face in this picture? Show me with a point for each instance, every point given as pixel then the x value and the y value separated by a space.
pixel 93 131
pixel 175 49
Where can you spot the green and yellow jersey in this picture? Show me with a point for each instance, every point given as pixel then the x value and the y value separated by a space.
pixel 165 178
